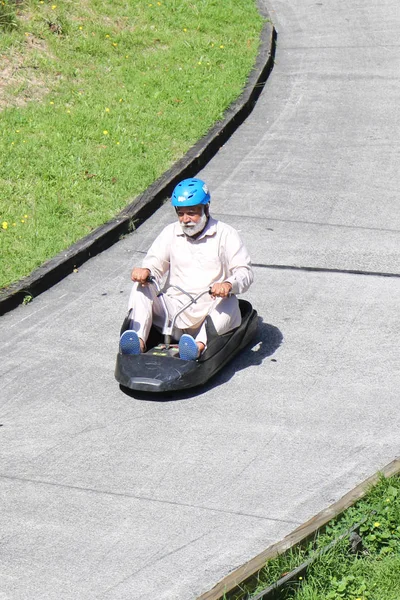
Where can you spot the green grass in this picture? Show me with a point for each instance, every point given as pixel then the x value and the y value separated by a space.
pixel 367 579
pixel 7 16
pixel 98 99
pixel 339 574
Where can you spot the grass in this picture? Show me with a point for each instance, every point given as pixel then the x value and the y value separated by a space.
pixel 7 16
pixel 368 579
pixel 373 573
pixel 98 99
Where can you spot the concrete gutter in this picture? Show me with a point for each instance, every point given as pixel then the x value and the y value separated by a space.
pixel 152 198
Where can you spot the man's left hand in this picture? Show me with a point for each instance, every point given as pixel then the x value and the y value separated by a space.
pixel 221 290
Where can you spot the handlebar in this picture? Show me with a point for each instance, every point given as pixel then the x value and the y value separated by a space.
pixel 169 322
pixel 153 280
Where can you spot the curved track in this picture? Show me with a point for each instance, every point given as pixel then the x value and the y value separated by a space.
pixel 113 497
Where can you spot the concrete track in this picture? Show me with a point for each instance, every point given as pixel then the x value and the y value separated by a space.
pixel 109 496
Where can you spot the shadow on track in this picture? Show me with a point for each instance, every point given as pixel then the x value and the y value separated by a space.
pixel 267 340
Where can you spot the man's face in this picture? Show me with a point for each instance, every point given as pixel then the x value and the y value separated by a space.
pixel 192 219
pixel 189 214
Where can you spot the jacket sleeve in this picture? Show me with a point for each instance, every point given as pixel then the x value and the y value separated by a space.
pixel 157 259
pixel 241 274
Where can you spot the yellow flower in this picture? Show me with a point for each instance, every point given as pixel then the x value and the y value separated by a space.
pixel 22 221
pixel 51 102
pixel 105 132
pixel 14 224
pixel 222 46
pixel 4 225
pixel 107 36
pixel 120 100
pixel 117 143
pixel 107 109
pixel 184 29
pixel 376 524
pixel 81 27
pixel 25 216
pixel 54 6
pixel 115 45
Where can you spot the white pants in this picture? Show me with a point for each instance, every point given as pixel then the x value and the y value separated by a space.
pixel 147 309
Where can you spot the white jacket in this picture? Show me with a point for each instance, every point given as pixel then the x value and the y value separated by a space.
pixel 216 255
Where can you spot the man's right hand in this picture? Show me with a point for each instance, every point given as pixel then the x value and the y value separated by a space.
pixel 140 275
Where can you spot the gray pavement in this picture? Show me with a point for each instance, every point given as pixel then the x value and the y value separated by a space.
pixel 110 496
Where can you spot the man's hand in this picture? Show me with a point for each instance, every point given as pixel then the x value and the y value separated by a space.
pixel 140 275
pixel 221 290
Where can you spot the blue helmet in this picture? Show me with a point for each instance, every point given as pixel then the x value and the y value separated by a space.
pixel 190 192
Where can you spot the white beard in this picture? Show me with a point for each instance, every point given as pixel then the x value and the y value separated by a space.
pixel 192 229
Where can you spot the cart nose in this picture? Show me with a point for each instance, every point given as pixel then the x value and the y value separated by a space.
pixel 145 384
pixel 150 373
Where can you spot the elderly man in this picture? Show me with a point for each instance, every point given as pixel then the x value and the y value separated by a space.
pixel 194 253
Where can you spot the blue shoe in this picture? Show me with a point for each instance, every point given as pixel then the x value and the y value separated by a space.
pixel 188 349
pixel 129 343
